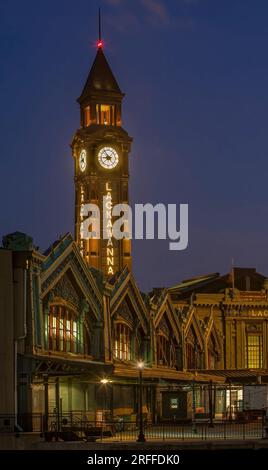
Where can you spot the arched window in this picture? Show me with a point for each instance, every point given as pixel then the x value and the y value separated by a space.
pixel 166 355
pixel 193 351
pixel 122 342
pixel 190 356
pixel 212 353
pixel 62 331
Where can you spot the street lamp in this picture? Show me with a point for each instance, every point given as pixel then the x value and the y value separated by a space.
pixel 141 437
pixel 193 407
pixel 104 382
pixel 211 425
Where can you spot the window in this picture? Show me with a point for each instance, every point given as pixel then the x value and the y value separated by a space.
pixel 54 332
pixel 75 336
pixel 165 351
pixel 68 335
pixel 82 194
pixel 86 116
pixel 105 114
pixel 254 351
pixel 212 353
pixel 62 331
pixel 190 356
pixel 122 342
pixel 194 355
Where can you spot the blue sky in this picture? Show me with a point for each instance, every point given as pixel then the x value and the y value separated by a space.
pixel 195 74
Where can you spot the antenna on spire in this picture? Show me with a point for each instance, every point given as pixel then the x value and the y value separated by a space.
pixel 233 277
pixel 100 43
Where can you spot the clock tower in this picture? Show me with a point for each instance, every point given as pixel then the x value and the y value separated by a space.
pixel 100 150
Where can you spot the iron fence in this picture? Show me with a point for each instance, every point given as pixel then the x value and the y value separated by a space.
pixel 80 426
pixel 192 431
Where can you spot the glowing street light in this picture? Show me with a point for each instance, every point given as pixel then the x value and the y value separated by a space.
pixel 104 381
pixel 141 437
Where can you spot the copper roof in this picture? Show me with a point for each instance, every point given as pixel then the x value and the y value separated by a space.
pixel 100 79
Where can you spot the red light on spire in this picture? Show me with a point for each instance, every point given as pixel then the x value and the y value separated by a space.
pixel 100 44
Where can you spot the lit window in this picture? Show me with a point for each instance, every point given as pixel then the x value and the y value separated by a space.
pixel 74 336
pixel 86 116
pixel 254 351
pixel 82 194
pixel 63 333
pixel 122 342
pixel 54 332
pixel 105 114
pixel 46 329
pixel 68 335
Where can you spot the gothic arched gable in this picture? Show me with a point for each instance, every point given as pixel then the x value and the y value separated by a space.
pixel 166 315
pixel 65 290
pixel 127 292
pixel 66 259
pixel 214 333
pixel 125 314
pixel 193 325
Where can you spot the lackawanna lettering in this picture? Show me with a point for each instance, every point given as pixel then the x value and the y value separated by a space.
pixel 98 460
pixel 109 247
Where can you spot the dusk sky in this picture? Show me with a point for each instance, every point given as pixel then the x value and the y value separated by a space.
pixel 195 74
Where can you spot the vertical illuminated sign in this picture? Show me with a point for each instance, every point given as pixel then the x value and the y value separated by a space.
pixel 108 206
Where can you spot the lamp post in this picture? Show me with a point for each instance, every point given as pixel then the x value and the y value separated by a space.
pixel 193 407
pixel 211 425
pixel 230 401
pixel 104 382
pixel 141 436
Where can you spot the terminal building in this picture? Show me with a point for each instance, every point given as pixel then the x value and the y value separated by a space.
pixel 75 324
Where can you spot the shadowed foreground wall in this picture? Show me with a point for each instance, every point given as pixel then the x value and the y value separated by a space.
pixel 7 339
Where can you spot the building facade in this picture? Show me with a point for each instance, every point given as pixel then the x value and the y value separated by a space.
pixel 75 324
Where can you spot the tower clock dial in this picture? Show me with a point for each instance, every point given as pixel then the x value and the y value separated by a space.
pixel 83 160
pixel 108 157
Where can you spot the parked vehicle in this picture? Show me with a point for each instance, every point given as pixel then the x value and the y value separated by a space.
pixel 255 403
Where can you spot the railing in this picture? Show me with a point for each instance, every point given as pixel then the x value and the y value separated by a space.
pixel 170 432
pixel 77 426
pixel 25 422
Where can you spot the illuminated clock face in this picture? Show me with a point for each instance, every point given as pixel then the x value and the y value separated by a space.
pixel 108 157
pixel 83 160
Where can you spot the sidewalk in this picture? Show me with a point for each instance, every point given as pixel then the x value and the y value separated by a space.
pixel 156 445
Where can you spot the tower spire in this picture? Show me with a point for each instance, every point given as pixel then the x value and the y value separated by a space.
pixel 101 150
pixel 100 43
